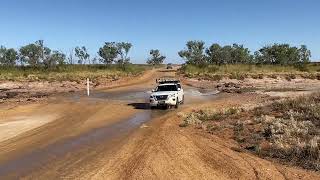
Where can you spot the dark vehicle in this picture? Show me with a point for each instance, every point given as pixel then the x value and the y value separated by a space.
pixel 169 66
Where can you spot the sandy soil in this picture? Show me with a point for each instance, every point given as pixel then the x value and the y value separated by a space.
pixel 274 87
pixel 24 91
pixel 162 150
pixel 113 135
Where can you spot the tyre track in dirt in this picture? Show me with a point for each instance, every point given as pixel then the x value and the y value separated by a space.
pixel 158 150
pixel 165 151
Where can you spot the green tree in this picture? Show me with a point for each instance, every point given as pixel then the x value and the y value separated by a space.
pixel 235 54
pixel 8 57
pixel 56 58
pixel 282 54
pixel 214 54
pixel 34 54
pixel 2 54
pixel 108 52
pixel 304 54
pixel 240 55
pixel 155 57
pixel 44 51
pixel 123 50
pixel 226 55
pixel 194 53
pixel 82 54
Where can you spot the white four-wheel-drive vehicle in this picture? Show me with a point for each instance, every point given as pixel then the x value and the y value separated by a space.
pixel 168 93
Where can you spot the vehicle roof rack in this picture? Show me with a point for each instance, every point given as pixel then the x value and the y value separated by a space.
pixel 166 80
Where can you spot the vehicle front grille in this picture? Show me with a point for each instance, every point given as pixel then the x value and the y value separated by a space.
pixel 161 97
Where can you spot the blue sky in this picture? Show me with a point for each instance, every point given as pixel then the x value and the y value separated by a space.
pixel 161 24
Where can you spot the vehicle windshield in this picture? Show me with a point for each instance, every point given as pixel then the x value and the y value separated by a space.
pixel 167 88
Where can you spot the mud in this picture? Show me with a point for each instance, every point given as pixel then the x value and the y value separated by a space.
pixel 19 121
pixel 113 134
pixel 18 92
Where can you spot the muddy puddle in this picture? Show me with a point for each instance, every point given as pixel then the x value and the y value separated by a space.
pixel 41 157
pixel 136 98
pixel 135 95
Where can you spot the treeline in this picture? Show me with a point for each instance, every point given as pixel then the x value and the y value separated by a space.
pixel 38 55
pixel 196 53
pixel 277 54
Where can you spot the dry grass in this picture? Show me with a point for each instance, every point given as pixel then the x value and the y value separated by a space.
pixel 69 72
pixel 200 116
pixel 242 71
pixel 287 130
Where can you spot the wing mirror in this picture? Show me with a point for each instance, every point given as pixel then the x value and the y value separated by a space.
pixel 153 90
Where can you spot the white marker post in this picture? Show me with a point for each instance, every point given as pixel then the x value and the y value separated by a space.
pixel 88 87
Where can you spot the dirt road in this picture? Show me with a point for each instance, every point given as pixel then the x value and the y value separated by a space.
pixel 114 135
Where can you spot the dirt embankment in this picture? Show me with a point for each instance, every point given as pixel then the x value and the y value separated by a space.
pixel 277 86
pixel 25 91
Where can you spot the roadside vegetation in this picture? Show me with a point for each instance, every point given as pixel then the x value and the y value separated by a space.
pixel 288 130
pixel 242 71
pixel 237 62
pixel 69 72
pixel 35 61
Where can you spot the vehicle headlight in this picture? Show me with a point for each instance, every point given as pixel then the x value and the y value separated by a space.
pixel 172 95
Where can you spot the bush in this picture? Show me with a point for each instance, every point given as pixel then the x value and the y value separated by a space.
pixel 257 76
pixel 273 76
pixel 237 76
pixel 200 116
pixel 217 77
pixel 292 130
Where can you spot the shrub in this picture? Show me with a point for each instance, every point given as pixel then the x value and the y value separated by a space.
pixel 217 77
pixel 200 116
pixel 238 76
pixel 293 135
pixel 273 76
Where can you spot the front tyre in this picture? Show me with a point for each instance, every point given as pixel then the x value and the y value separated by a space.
pixel 177 103
pixel 182 102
